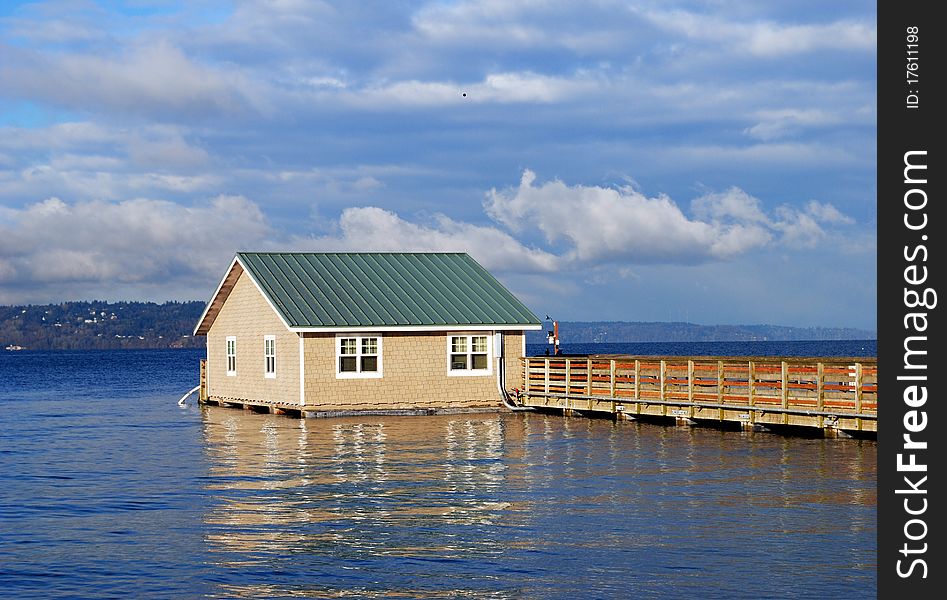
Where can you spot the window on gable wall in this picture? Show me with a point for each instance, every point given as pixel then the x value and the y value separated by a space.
pixel 231 355
pixel 469 354
pixel 269 356
pixel 358 356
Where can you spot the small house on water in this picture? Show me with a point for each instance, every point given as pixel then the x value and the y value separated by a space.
pixel 338 333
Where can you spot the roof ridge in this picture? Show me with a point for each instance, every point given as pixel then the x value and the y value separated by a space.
pixel 321 290
pixel 352 252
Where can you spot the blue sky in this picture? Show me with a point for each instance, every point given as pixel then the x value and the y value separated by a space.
pixel 706 161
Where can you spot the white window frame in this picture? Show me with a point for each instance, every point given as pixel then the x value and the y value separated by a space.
pixel 469 372
pixel 231 355
pixel 269 352
pixel 358 373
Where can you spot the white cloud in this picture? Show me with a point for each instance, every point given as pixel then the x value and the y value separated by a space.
pixel 111 247
pixel 376 229
pixel 83 160
pixel 600 224
pixel 148 78
pixel 618 224
pixel 520 87
pixel 774 124
pixel 58 136
pixel 603 26
pixel 483 21
pixel 797 228
pixel 733 204
pixel 599 232
pixel 827 213
pixel 768 38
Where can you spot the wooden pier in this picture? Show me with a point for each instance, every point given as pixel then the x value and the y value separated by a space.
pixel 836 395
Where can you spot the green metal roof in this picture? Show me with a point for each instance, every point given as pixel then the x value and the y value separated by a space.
pixel 381 289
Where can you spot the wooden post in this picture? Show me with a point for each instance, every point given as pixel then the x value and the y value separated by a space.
pixel 664 407
pixel 784 385
pixel 720 388
pixel 750 382
pixel 858 387
pixel 547 379
pixel 568 380
pixel 202 394
pixel 588 376
pixel 637 370
pixel 690 383
pixel 784 390
pixel 611 370
pixel 820 382
pixel 661 390
pixel 526 375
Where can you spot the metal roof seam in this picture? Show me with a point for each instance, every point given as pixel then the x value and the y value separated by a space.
pixel 385 289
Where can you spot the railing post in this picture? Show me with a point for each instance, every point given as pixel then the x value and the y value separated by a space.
pixel 784 389
pixel 858 387
pixel 637 370
pixel 784 385
pixel 526 375
pixel 611 371
pixel 588 376
pixel 819 386
pixel 661 373
pixel 720 388
pixel 690 381
pixel 750 382
pixel 568 379
pixel 546 390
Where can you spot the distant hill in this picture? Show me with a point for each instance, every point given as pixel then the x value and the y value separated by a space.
pixel 100 325
pixel 105 325
pixel 582 332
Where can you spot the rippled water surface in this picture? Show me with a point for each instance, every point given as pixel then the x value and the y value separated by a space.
pixel 109 489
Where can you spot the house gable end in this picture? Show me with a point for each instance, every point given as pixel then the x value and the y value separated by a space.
pixel 223 292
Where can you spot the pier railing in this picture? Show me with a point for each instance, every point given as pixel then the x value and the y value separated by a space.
pixel 836 393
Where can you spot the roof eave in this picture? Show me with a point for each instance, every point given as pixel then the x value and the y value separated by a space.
pixel 200 321
pixel 421 328
pixel 236 261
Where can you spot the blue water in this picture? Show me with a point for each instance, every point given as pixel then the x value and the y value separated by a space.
pixel 109 489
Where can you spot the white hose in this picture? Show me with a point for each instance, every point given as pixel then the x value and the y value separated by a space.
pixel 184 398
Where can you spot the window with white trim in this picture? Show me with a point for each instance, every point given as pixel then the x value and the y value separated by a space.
pixel 231 355
pixel 468 354
pixel 269 356
pixel 358 356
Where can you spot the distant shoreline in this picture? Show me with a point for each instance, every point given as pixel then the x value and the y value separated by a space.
pixel 98 325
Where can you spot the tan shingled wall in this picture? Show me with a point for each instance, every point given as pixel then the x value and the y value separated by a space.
pixel 415 376
pixel 247 315
pixel 513 351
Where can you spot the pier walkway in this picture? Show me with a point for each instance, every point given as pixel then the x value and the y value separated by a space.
pixel 837 395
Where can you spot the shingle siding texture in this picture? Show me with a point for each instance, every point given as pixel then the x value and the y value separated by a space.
pixel 247 316
pixel 415 376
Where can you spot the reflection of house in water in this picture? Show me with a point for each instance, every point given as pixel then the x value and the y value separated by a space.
pixel 354 490
pixel 496 505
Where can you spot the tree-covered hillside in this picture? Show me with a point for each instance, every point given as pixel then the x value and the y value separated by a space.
pixel 90 325
pixel 95 324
